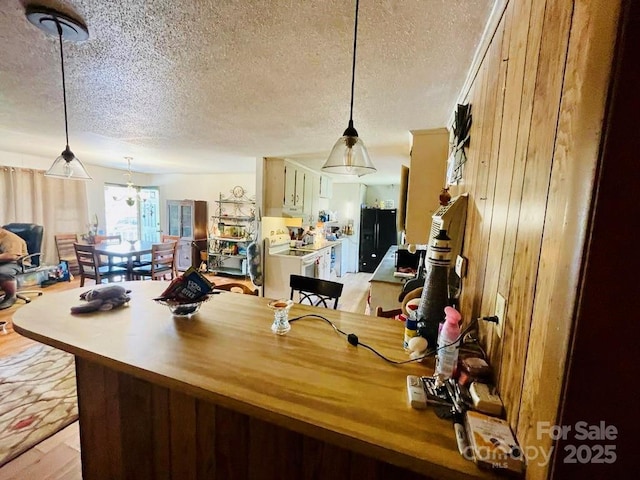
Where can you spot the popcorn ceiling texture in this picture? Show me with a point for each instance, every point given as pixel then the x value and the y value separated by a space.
pixel 204 85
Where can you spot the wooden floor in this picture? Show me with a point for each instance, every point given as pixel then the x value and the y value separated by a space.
pixel 58 457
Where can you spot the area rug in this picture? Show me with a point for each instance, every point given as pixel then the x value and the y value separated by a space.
pixel 37 398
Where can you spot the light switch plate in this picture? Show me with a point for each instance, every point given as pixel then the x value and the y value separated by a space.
pixel 461 266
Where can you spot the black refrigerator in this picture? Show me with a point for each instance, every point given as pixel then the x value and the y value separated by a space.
pixel 377 233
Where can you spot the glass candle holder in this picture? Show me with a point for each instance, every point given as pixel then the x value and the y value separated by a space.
pixel 280 325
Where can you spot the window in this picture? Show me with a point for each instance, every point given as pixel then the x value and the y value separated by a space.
pixel 132 212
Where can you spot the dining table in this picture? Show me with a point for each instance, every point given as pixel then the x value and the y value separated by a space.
pixel 126 253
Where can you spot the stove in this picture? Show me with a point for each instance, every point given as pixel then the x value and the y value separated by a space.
pixel 281 261
pixel 297 253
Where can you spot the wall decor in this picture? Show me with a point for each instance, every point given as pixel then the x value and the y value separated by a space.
pixel 461 139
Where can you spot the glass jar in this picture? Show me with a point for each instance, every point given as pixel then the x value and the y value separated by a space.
pixel 280 325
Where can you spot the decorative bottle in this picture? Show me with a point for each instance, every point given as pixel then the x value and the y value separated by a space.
pixel 445 196
pixel 448 344
pixel 435 294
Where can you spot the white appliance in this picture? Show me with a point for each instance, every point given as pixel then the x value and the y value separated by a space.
pixel 280 261
pixel 452 218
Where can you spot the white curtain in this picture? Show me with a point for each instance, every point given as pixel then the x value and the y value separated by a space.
pixel 60 206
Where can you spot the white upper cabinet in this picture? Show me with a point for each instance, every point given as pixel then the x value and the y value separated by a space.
pixel 325 187
pixel 310 204
pixel 289 198
pixel 290 190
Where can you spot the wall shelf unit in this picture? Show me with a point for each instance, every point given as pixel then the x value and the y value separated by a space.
pixel 231 230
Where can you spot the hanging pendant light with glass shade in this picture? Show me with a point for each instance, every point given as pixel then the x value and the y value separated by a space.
pixel 349 156
pixel 52 22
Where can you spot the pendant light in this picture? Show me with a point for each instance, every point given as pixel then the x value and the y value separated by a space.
pixel 132 193
pixel 52 22
pixel 349 156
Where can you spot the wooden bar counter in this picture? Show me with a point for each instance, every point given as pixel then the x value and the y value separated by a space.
pixel 219 396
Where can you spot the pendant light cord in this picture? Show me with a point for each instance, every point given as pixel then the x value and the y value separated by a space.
pixel 64 89
pixel 353 67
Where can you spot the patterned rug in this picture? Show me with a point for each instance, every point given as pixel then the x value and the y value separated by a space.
pixel 37 398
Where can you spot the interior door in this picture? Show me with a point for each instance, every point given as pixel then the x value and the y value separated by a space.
pixel 149 219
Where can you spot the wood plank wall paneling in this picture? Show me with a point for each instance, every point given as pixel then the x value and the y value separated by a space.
pixel 205 441
pixel 533 204
pixel 161 438
pixel 513 157
pixel 524 97
pixel 512 55
pixel 586 76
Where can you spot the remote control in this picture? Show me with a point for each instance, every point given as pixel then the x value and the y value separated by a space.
pixel 415 393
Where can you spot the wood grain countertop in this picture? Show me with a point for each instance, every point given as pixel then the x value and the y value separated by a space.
pixel 310 380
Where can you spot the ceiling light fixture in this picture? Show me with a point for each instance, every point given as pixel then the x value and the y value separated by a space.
pixel 349 156
pixel 132 190
pixel 52 22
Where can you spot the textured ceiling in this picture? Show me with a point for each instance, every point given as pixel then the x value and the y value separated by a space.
pixel 208 86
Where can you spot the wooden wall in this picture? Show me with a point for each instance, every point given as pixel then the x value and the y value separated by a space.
pixel 538 95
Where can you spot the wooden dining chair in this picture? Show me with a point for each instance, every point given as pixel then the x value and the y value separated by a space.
pixel 236 287
pixel 109 239
pixel 162 264
pixel 315 291
pixel 172 238
pixel 388 313
pixel 90 267
pixel 66 253
pixel 169 238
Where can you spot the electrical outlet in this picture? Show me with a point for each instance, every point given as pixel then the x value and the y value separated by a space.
pixel 501 306
pixel 461 266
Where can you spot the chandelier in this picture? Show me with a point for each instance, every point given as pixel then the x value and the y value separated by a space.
pixel 133 192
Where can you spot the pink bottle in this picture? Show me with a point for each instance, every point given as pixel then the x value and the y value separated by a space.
pixel 448 343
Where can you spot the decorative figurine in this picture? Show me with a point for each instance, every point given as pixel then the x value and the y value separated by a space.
pixel 435 293
pixel 102 299
pixel 445 196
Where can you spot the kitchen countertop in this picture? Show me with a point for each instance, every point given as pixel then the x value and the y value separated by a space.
pixel 386 268
pixel 310 381
pixel 313 247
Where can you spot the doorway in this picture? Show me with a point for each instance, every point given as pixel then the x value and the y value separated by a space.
pixel 132 212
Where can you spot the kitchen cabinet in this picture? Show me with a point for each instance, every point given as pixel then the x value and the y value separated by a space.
pixel 324 264
pixel 427 177
pixel 325 187
pixel 385 288
pixel 233 229
pixel 289 195
pixel 294 188
pixel 187 219
pixel 309 205
pixel 290 190
pixel 341 250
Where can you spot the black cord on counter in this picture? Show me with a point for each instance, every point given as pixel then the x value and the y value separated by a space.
pixel 352 338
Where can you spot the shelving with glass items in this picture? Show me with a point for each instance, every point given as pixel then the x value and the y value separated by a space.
pixel 231 230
